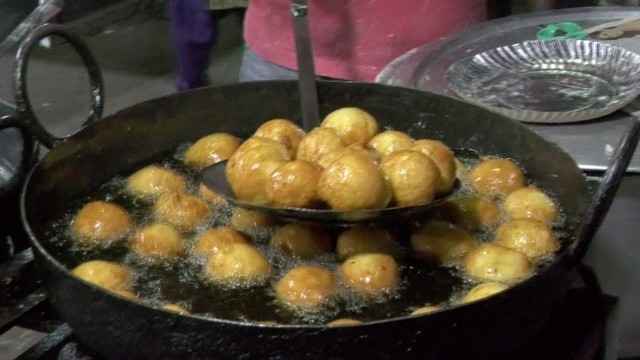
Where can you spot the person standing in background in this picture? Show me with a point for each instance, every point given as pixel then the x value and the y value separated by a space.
pixel 194 31
pixel 351 39
pixel 356 39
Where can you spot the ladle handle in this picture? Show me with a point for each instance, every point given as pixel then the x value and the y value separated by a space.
pixel 29 145
pixel 608 187
pixel 306 70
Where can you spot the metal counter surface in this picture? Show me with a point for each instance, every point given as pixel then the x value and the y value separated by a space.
pixel 590 142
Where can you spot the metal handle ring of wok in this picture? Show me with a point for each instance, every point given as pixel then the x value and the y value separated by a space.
pixel 24 108
pixel 611 179
pixel 29 150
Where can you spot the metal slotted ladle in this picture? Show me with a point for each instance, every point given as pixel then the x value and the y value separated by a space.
pixel 215 178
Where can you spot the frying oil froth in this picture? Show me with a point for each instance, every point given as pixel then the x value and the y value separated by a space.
pixel 181 280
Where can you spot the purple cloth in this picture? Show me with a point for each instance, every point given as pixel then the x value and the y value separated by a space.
pixel 194 31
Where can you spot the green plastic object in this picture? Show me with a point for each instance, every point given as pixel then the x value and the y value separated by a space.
pixel 562 31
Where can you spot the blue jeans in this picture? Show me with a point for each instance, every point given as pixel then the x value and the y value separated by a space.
pixel 255 68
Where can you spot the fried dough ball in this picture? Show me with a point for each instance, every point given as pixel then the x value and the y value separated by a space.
pixel 247 172
pixel 300 240
pixel 530 237
pixel 389 141
pixel 496 177
pixel 359 150
pixel 306 288
pixel 100 223
pixel 176 308
pixel 293 184
pixel 154 180
pixel 105 274
pixel 157 241
pixel 424 310
pixel 365 239
pixel 283 131
pixel 444 158
pixel 530 203
pixel 127 295
pixel 370 275
pixel 412 176
pixel 184 211
pixel 353 125
pixel 318 142
pixel 211 196
pixel 211 149
pixel 238 265
pixel 247 221
pixel 483 290
pixel 344 322
pixel 493 262
pixel 211 241
pixel 256 141
pixel 353 182
pixel 471 211
pixel 442 242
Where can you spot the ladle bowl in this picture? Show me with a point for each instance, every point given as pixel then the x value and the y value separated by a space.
pixel 215 179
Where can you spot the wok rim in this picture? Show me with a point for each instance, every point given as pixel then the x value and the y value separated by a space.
pixel 562 258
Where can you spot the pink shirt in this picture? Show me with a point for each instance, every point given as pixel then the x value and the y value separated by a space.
pixel 356 39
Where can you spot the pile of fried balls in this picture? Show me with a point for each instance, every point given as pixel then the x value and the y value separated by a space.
pixel 345 164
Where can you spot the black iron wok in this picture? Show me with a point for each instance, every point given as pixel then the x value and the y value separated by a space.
pixel 120 329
